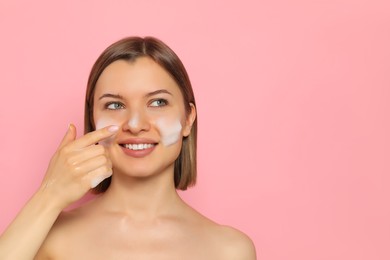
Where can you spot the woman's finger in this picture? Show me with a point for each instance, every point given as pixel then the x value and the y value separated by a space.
pixel 69 137
pixel 94 137
pixel 90 165
pixel 87 153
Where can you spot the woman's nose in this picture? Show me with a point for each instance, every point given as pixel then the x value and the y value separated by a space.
pixel 136 122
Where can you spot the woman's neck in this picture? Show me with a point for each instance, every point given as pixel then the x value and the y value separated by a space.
pixel 142 197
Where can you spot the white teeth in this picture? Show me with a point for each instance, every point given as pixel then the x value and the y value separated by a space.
pixel 137 147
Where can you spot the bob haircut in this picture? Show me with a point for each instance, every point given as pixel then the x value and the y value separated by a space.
pixel 130 49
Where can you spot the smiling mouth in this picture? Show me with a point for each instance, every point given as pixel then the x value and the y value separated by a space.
pixel 137 147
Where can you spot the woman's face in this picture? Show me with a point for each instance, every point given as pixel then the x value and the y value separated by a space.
pixel 147 104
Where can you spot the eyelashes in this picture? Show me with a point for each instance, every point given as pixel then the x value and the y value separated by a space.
pixel 159 102
pixel 115 105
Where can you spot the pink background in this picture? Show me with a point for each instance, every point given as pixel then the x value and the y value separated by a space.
pixel 293 103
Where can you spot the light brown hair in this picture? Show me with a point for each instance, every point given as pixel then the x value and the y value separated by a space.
pixel 130 49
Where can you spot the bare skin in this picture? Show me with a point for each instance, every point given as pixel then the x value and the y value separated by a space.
pixel 140 216
pixel 101 230
pixel 76 163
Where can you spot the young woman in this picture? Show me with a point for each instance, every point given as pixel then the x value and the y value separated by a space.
pixel 139 148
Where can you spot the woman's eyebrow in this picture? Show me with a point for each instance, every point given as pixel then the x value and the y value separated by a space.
pixel 108 95
pixel 160 91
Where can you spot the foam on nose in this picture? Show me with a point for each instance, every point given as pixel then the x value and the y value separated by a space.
pixel 134 121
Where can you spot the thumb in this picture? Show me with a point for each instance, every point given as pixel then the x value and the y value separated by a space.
pixel 69 137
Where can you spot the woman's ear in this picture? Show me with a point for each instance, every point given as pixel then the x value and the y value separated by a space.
pixel 189 121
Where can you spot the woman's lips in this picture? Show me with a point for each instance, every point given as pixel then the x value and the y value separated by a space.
pixel 138 148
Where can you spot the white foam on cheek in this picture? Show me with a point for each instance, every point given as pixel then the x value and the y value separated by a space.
pixel 102 123
pixel 170 131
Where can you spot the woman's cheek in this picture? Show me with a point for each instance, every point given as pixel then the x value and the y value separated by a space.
pixel 104 122
pixel 170 130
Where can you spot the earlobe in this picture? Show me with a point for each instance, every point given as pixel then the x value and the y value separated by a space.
pixel 189 121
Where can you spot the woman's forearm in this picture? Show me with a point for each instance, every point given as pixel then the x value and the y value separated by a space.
pixel 72 171
pixel 25 235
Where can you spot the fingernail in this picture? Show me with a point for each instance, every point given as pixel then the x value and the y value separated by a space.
pixel 113 128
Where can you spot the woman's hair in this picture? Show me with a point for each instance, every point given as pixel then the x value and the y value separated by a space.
pixel 130 49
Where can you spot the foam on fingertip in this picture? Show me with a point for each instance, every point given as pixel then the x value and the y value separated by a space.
pixel 95 182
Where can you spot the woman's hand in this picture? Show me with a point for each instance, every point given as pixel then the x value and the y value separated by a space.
pixel 78 165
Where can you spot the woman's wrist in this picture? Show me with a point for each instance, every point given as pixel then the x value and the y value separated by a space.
pixel 48 201
pixel 31 226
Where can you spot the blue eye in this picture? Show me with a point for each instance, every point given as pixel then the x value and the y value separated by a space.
pixel 159 103
pixel 114 106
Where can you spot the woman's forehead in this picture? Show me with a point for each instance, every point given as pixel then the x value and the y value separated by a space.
pixel 135 78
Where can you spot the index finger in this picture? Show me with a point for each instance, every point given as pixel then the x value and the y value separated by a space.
pixel 95 136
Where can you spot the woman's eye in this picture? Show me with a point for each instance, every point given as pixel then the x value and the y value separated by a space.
pixel 159 103
pixel 114 106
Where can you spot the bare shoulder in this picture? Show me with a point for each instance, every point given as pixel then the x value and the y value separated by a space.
pixel 234 243
pixel 65 226
pixel 227 242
